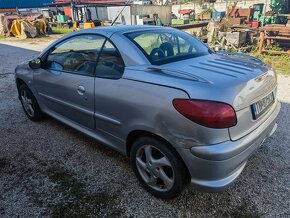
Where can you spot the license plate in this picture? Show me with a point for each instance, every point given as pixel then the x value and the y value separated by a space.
pixel 262 105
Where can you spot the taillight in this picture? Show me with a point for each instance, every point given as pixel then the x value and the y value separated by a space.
pixel 207 113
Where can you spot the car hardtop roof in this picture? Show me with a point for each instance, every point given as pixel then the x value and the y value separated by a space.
pixel 109 30
pixel 106 31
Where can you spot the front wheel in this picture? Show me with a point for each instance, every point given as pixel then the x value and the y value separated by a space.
pixel 29 103
pixel 157 167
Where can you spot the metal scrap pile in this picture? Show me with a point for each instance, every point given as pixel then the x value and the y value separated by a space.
pixel 222 35
pixel 23 26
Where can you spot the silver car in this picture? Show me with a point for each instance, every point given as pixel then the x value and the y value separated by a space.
pixel 180 111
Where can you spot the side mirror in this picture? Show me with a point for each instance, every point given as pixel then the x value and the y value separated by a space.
pixel 35 64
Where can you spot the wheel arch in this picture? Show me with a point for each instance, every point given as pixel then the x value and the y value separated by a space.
pixel 19 82
pixel 136 134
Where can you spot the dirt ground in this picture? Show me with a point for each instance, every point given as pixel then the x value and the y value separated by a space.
pixel 48 169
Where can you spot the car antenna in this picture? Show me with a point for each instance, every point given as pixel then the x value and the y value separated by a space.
pixel 126 4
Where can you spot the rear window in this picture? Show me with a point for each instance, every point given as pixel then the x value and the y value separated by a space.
pixel 168 45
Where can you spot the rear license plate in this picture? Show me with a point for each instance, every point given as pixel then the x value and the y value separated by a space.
pixel 261 106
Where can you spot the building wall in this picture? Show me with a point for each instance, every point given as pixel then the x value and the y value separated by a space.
pixel 221 5
pixel 24 3
pixel 129 13
pixel 100 13
pixel 164 12
pixel 125 16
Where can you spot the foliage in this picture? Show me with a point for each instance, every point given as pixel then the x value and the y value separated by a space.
pixel 208 10
pixel 200 2
pixel 274 47
pixel 57 30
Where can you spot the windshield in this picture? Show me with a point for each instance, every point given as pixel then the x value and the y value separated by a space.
pixel 168 45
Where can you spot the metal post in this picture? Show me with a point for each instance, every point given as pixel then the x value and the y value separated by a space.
pixel 179 9
pixel 97 14
pixel 72 10
pixel 226 7
pixel 265 8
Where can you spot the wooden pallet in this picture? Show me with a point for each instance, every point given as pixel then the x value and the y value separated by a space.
pixel 278 33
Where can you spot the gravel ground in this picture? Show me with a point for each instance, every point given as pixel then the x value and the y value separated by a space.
pixel 48 169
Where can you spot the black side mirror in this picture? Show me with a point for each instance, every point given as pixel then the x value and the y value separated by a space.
pixel 35 64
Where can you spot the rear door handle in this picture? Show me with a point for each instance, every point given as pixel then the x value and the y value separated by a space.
pixel 81 90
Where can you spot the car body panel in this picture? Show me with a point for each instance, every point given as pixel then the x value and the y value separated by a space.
pixel 141 100
pixel 120 110
pixel 67 94
pixel 96 134
pixel 215 167
pixel 236 86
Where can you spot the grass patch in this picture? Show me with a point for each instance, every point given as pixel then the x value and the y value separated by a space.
pixel 2 37
pixel 280 63
pixel 57 30
pixel 77 201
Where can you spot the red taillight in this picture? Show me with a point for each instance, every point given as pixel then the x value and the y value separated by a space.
pixel 207 113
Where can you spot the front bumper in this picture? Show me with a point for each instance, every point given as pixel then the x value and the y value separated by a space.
pixel 214 167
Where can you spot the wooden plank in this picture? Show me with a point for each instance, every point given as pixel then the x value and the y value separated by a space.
pixel 277 37
pixel 190 26
pixel 276 52
pixel 7 10
pixel 275 28
pixel 284 33
pixel 261 43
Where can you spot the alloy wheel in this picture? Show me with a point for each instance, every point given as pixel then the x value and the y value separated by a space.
pixel 155 168
pixel 27 103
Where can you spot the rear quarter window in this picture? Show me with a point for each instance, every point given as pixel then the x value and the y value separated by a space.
pixel 166 46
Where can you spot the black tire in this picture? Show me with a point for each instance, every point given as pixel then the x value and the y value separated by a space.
pixel 177 167
pixel 37 114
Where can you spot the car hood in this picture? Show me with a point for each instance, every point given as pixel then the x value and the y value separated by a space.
pixel 233 80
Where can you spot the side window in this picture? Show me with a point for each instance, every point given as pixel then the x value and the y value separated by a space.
pixel 110 64
pixel 76 55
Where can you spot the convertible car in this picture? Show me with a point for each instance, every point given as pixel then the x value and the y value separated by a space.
pixel 181 112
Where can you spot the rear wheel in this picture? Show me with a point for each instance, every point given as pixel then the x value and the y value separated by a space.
pixel 29 104
pixel 157 167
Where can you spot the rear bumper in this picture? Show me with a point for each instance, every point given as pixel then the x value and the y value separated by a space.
pixel 214 167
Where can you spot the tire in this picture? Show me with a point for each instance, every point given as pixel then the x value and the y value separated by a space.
pixel 163 174
pixel 29 104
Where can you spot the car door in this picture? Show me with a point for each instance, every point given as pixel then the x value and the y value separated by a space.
pixel 109 91
pixel 65 83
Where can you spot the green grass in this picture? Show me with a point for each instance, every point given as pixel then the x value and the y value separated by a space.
pixel 57 30
pixel 2 37
pixel 280 63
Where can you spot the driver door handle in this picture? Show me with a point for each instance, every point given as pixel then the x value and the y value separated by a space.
pixel 81 90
